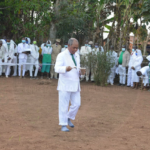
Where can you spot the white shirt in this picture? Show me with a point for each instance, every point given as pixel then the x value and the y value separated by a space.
pixel 85 50
pixel 22 47
pixel 47 50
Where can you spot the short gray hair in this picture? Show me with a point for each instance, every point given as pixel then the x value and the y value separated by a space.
pixel 71 40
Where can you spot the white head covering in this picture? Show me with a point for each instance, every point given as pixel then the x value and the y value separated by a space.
pixel 4 42
pixel 148 58
pixel 137 55
pixel 29 41
pixel 48 41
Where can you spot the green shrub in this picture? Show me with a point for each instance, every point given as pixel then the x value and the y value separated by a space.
pixel 100 64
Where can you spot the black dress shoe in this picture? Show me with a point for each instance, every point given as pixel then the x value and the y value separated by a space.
pixel 123 84
pixel 119 84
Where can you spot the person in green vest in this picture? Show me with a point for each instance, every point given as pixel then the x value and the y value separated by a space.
pixel 123 61
pixel 46 60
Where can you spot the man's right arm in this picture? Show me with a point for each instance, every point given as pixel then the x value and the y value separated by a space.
pixel 59 68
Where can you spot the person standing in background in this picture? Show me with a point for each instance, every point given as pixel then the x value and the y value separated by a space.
pixel 65 47
pixel 129 78
pixel 112 55
pixel 34 60
pixel 85 50
pixel 46 60
pixel 2 55
pixel 22 56
pixel 15 58
pixel 9 56
pixel 124 57
pixel 56 50
pixel 136 66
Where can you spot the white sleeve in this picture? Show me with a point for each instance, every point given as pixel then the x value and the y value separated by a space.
pixel 43 50
pixel 59 68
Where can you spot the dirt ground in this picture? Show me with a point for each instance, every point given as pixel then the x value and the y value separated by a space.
pixel 110 118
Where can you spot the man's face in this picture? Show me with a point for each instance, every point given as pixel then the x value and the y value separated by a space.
pixel 57 43
pixel 123 46
pixel 8 41
pixel 134 47
pixel 86 42
pixel 74 47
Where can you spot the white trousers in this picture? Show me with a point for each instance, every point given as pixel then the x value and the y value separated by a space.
pixel 64 99
pixel 145 80
pixel 111 76
pixel 7 71
pixel 21 61
pixel 15 67
pixel 130 81
pixel 1 67
pixel 36 62
pixel 122 74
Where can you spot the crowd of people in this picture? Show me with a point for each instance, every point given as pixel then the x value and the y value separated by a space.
pixel 27 56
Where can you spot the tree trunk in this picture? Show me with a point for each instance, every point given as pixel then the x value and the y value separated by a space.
pixel 52 32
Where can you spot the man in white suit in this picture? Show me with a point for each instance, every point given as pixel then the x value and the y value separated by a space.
pixel 68 67
pixel 22 56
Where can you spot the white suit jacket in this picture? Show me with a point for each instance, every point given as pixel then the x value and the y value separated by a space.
pixel 21 48
pixel 68 81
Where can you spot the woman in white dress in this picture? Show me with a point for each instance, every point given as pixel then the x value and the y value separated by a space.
pixel 136 66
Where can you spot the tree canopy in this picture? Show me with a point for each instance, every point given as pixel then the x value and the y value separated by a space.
pixel 83 19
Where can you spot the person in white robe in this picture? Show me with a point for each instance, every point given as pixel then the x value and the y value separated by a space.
pixel 5 45
pixel 9 56
pixel 15 59
pixel 112 56
pixel 144 74
pixel 34 59
pixel 136 66
pixel 2 56
pixel 22 50
pixel 68 67
pixel 129 78
pixel 29 57
pixel 65 47
pixel 85 50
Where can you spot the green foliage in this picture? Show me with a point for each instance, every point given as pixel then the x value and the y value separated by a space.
pixel 142 33
pixel 25 18
pixel 100 64
pixel 72 20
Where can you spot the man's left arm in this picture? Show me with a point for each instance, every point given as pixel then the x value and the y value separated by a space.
pixel 127 59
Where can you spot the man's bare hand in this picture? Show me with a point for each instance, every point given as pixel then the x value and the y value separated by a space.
pixel 68 68
pixel 3 60
pixel 9 58
pixel 133 68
